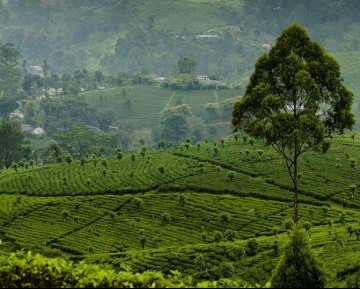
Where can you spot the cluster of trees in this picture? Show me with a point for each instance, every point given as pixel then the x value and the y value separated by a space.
pixel 10 76
pixel 12 138
pixel 11 142
pixel 75 82
pixel 62 114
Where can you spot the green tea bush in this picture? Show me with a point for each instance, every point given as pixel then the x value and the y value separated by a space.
pixel 23 269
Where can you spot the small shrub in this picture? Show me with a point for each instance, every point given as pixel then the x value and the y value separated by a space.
pixel 230 235
pixel 137 202
pixel 225 217
pixel 227 270
pixel 218 236
pixel 231 175
pixel 252 247
pixel 165 218
pixel 182 199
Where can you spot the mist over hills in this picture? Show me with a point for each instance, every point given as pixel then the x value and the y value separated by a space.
pixel 224 37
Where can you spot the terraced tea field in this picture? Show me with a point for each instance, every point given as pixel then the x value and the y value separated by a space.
pixel 163 210
pixel 146 102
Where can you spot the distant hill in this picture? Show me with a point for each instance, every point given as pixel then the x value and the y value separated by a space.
pixel 225 37
pixel 350 63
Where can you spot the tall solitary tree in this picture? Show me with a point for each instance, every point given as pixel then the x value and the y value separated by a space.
pixel 295 100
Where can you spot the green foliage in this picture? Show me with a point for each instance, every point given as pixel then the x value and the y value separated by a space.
pixel 218 236
pixel 104 163
pixel 251 199
pixel 162 170
pixel 307 226
pixel 23 269
pixel 273 110
pixel 112 215
pixel 137 202
pixel 231 175
pixel 186 65
pixel 342 218
pixel 288 224
pixel 143 240
pixel 354 281
pixel 230 235
pixel 200 261
pixel 225 217
pixel 298 267
pixel 252 247
pixel 165 218
pixel 182 199
pixel 65 214
pixel 204 236
pixel 227 270
pixel 11 141
pixel 182 81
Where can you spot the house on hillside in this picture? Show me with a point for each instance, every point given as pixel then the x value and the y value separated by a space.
pixel 52 91
pixel 37 69
pixel 203 77
pixel 205 36
pixel 234 28
pixel 266 45
pixel 38 131
pixel 290 108
pixel 17 113
pixel 27 128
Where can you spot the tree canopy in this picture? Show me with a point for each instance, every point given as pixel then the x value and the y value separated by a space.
pixel 10 76
pixel 187 65
pixel 298 267
pixel 11 141
pixel 295 99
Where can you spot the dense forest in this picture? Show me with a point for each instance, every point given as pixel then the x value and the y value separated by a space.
pixel 175 143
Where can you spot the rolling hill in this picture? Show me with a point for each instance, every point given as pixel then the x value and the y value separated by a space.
pixel 130 212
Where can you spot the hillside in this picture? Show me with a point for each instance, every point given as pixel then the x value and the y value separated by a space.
pixel 350 62
pixel 129 211
pixel 114 36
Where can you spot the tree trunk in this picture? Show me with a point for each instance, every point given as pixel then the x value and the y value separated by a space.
pixel 295 181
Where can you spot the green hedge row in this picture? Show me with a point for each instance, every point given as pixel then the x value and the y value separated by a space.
pixel 25 270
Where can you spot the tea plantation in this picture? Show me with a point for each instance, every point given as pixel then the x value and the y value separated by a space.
pixel 209 210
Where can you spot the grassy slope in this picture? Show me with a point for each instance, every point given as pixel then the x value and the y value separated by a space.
pixel 149 101
pixel 257 200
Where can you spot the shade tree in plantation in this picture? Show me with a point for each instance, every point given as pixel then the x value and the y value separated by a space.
pixel 182 199
pixel 295 100
pixel 298 267
pixel 252 247
pixel 231 175
pixel 165 218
